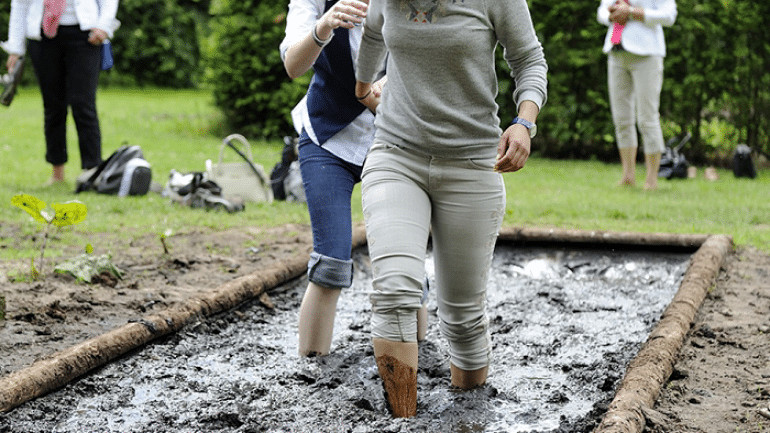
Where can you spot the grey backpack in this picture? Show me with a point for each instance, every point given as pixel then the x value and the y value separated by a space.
pixel 125 172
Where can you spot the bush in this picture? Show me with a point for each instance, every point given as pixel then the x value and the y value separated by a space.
pixel 157 43
pixel 245 70
pixel 576 121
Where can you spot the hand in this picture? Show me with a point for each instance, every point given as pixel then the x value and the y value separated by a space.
pixel 11 62
pixel 366 92
pixel 344 13
pixel 97 36
pixel 513 150
pixel 620 11
pixel 378 86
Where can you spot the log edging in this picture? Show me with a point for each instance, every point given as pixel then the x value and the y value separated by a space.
pixel 625 413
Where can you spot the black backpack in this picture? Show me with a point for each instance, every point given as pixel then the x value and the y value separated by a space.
pixel 673 165
pixel 281 170
pixel 125 172
pixel 743 165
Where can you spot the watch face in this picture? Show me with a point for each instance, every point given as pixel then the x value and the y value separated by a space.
pixel 533 131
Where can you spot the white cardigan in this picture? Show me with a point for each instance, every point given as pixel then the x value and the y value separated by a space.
pixel 644 38
pixel 27 18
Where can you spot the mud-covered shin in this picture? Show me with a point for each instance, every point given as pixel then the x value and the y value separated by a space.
pixel 397 365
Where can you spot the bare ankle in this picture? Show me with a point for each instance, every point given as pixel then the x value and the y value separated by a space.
pixel 468 379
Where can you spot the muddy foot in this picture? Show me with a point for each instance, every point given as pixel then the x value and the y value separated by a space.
pixel 400 383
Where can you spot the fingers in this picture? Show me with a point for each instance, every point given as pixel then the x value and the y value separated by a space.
pixel 11 62
pixel 347 14
pixel 97 36
pixel 513 150
pixel 619 12
pixel 378 86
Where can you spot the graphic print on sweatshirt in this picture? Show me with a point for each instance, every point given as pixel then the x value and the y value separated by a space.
pixel 426 11
pixel 423 11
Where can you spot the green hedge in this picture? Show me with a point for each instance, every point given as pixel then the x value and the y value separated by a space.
pixel 157 43
pixel 245 70
pixel 716 86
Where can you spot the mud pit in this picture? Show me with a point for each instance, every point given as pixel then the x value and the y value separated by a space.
pixel 564 324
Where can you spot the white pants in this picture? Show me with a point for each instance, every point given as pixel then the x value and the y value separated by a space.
pixel 634 85
pixel 408 196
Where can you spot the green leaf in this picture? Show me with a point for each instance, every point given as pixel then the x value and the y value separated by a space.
pixel 85 266
pixel 69 213
pixel 32 205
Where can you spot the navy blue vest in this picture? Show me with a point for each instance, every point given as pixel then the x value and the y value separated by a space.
pixel 331 98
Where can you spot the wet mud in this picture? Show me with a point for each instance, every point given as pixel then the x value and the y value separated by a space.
pixel 564 324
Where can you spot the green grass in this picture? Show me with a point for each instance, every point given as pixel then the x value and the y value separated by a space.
pixel 181 129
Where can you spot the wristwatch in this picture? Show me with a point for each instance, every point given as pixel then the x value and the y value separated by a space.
pixel 527 124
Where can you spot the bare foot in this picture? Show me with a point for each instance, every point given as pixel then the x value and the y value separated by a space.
pixel 54 181
pixel 626 181
pixel 711 174
pixel 649 186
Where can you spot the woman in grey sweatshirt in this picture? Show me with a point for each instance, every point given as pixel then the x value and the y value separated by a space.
pixel 435 170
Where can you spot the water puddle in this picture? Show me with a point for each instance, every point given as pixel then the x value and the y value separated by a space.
pixel 564 325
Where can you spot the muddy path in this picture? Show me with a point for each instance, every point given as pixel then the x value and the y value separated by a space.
pixel 564 324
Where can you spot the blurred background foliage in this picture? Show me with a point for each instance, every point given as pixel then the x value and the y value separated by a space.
pixel 717 71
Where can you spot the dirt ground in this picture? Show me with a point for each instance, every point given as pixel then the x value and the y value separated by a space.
pixel 720 384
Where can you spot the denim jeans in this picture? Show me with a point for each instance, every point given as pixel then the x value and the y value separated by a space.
pixel 329 183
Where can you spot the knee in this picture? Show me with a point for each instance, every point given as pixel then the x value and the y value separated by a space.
pixel 469 343
pixel 330 272
pixel 395 301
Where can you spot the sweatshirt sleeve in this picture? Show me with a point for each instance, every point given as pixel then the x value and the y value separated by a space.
pixel 522 49
pixel 372 53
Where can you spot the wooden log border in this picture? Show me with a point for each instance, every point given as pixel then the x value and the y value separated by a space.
pixel 637 391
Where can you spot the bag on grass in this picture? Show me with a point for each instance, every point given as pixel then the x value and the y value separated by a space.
pixel 286 178
pixel 743 165
pixel 244 179
pixel 125 172
pixel 673 165
pixel 198 191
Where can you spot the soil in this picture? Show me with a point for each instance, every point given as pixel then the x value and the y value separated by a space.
pixel 721 382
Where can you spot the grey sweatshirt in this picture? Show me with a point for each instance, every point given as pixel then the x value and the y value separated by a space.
pixel 442 82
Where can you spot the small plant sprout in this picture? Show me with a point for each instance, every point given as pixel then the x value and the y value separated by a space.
pixel 163 237
pixel 64 214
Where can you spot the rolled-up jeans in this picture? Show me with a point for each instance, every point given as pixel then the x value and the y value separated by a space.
pixel 328 181
pixel 459 203
pixel 634 84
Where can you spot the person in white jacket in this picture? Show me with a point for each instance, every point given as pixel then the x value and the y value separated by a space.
pixel 66 57
pixel 635 46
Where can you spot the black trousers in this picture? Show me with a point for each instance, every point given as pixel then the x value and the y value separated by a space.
pixel 67 69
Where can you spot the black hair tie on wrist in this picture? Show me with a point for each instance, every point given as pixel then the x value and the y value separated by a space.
pixel 365 96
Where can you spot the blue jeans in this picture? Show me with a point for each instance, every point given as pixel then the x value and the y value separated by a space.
pixel 329 183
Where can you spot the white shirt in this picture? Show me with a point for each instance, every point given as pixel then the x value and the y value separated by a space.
pixel 352 143
pixel 644 38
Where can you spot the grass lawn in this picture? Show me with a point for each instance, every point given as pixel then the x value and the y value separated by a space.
pixel 181 129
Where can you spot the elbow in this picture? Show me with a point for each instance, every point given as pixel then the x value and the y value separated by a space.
pixel 292 72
